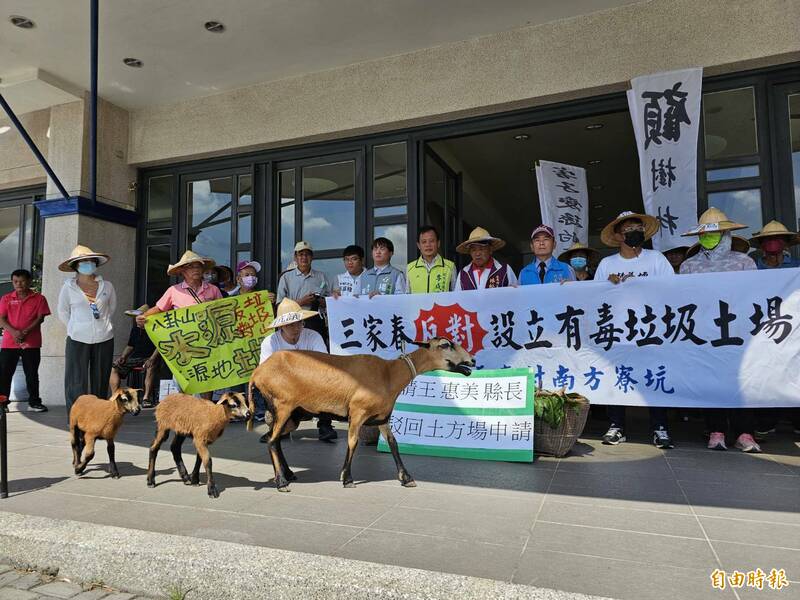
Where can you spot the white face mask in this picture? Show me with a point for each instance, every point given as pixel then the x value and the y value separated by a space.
pixel 87 267
pixel 249 281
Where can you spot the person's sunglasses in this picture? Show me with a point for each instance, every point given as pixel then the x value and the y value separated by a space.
pixel 95 310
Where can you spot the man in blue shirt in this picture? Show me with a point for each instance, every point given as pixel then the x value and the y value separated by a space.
pixel 545 268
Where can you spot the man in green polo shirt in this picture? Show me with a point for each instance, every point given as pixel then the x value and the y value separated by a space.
pixel 430 272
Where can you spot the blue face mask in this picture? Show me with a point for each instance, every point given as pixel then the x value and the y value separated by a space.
pixel 86 267
pixel 578 262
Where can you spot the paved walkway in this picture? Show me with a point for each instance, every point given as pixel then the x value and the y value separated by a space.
pixel 18 584
pixel 629 522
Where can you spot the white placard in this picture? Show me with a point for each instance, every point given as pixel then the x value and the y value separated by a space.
pixel 563 202
pixel 665 111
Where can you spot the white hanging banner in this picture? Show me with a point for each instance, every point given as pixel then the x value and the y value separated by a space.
pixel 564 202
pixel 702 340
pixel 665 110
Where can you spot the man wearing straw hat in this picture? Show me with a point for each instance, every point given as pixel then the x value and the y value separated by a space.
pixel 484 271
pixel 190 291
pixel 628 232
pixel 773 240
pixel 714 232
pixel 291 334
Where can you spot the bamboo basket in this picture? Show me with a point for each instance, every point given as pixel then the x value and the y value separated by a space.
pixel 560 440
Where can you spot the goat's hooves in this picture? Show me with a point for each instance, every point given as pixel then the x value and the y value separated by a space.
pixel 213 493
pixel 349 484
pixel 409 483
pixel 151 484
pixel 115 475
pixel 284 488
pixel 291 476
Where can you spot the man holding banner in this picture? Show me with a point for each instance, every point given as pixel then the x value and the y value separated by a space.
pixel 484 271
pixel 628 232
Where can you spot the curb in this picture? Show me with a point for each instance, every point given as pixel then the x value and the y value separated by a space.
pixel 149 563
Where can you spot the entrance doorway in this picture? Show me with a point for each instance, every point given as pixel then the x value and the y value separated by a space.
pixel 489 179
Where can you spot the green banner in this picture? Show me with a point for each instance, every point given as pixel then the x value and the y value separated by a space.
pixel 213 345
pixel 486 416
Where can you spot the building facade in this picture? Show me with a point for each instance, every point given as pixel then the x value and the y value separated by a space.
pixel 444 135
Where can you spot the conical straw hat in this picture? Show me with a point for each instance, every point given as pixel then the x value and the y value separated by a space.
pixel 188 258
pixel 480 235
pixel 82 253
pixel 776 229
pixel 651 227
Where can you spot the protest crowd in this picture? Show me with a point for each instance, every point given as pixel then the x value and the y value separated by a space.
pixel 87 302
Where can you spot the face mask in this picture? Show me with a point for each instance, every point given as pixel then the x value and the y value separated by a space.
pixel 634 239
pixel 86 268
pixel 772 246
pixel 709 241
pixel 249 281
pixel 209 277
pixel 578 262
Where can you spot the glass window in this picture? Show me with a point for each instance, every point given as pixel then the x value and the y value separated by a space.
pixel 209 216
pixel 435 194
pixel 330 266
pixel 741 206
pixel 158 260
pixel 245 190
pixel 286 187
pixel 245 229
pixel 398 234
pixel 28 259
pixel 794 132
pixel 329 207
pixel 729 121
pixel 400 210
pixel 732 173
pixel 9 238
pixel 158 233
pixel 243 255
pixel 389 167
pixel 159 198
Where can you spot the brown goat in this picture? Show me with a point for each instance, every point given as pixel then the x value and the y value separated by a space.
pixel 199 419
pixel 299 385
pixel 92 418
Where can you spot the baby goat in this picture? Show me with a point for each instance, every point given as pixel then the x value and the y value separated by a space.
pixel 92 418
pixel 299 385
pixel 201 420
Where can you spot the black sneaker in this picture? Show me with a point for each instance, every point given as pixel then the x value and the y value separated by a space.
pixel 613 436
pixel 327 433
pixel 37 407
pixel 661 439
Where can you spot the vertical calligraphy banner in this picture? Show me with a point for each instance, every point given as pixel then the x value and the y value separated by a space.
pixel 665 110
pixel 564 202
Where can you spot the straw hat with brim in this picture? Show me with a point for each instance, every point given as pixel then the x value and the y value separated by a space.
pixel 650 227
pixel 578 247
pixel 82 253
pixel 188 258
pixel 776 229
pixel 290 312
pixel 738 244
pixel 712 221
pixel 480 236
pixel 135 312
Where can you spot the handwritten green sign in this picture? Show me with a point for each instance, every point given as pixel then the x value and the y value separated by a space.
pixel 213 345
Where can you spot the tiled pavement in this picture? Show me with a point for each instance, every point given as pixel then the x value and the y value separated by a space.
pixel 16 584
pixel 630 522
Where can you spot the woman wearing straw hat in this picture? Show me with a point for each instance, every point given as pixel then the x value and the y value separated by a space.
pixel 773 241
pixel 714 232
pixel 580 257
pixel 484 271
pixel 85 305
pixel 291 334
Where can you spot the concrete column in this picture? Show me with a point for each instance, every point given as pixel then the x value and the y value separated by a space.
pixel 68 155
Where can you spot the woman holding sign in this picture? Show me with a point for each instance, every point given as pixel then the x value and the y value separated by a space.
pixel 85 305
pixel 192 290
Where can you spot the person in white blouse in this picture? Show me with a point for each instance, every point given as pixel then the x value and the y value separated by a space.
pixel 85 305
